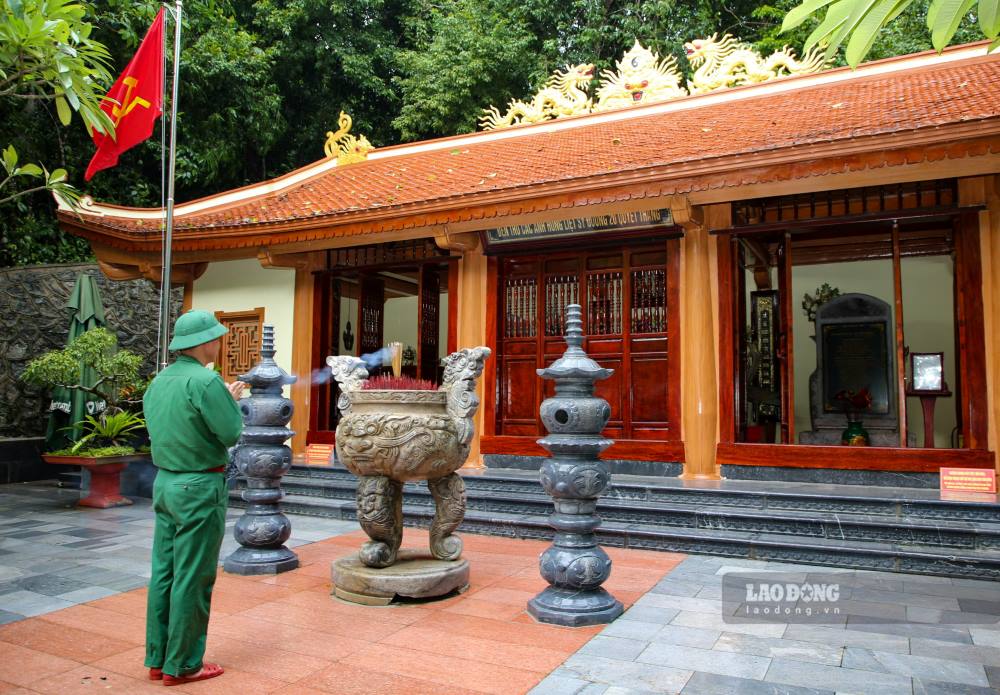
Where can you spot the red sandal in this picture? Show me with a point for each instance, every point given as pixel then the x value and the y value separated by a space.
pixel 207 671
pixel 155 674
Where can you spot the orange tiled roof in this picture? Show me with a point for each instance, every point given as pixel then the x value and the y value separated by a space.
pixel 536 158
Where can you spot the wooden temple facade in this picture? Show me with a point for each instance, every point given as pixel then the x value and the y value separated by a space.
pixel 663 221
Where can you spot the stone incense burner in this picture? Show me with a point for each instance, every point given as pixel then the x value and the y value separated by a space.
pixel 388 437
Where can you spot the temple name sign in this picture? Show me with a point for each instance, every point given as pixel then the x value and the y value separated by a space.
pixel 575 227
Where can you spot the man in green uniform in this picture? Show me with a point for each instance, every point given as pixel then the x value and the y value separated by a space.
pixel 192 418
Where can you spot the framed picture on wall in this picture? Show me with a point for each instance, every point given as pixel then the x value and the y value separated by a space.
pixel 927 372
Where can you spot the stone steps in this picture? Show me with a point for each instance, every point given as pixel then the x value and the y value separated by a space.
pixel 894 530
pixel 690 514
pixel 909 503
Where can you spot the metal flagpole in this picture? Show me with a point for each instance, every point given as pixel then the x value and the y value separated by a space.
pixel 168 237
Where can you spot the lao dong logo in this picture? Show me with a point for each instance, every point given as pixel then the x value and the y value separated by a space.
pixel 781 597
pixel 807 593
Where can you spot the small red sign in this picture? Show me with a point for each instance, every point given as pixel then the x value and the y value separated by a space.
pixel 969 480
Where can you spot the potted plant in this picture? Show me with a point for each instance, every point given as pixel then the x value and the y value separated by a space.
pixel 109 440
pixel 854 403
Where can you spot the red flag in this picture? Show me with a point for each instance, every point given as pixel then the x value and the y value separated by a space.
pixel 137 101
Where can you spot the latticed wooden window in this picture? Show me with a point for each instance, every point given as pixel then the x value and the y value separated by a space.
pixel 241 346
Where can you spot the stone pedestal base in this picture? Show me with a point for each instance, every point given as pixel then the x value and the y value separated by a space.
pixel 250 561
pixel 414 575
pixel 572 608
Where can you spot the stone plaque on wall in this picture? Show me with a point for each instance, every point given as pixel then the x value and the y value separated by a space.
pixel 855 349
pixel 856 357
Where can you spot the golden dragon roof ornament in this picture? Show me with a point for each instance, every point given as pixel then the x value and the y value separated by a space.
pixel 564 94
pixel 726 62
pixel 643 78
pixel 347 149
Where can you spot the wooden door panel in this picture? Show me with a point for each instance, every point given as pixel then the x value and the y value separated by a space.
pixel 519 389
pixel 650 433
pixel 624 298
pixel 511 347
pixel 604 303
pixel 610 389
pixel 648 345
pixel 649 387
pixel 560 291
pixel 604 346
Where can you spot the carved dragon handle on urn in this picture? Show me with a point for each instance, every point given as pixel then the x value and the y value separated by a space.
pixel 461 370
pixel 350 372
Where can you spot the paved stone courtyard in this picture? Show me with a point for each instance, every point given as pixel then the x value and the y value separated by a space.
pixel 73 599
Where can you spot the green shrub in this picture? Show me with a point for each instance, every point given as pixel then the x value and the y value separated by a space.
pixel 96 452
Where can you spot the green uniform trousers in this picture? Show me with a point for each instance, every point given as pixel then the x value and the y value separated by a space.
pixel 190 523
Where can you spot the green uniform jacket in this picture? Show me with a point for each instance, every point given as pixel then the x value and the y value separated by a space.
pixel 191 417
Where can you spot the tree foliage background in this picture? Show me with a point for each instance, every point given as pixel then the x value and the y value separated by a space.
pixel 262 81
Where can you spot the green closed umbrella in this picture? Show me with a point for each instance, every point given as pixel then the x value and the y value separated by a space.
pixel 70 406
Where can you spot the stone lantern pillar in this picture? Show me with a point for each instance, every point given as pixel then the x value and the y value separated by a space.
pixel 263 458
pixel 575 565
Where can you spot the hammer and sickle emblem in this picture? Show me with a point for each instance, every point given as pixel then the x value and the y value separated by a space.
pixel 128 103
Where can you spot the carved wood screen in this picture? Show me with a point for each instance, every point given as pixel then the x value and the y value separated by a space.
pixel 429 321
pixel 371 309
pixel 241 346
pixel 627 295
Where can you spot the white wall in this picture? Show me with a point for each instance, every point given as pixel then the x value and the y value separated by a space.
pixel 400 321
pixel 928 325
pixel 244 285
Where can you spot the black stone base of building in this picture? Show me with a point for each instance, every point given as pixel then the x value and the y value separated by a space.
pixel 667 469
pixel 831 476
pixel 21 460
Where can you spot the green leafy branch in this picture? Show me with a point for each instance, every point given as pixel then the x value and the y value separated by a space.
pixel 47 55
pixel 54 181
pixel 859 22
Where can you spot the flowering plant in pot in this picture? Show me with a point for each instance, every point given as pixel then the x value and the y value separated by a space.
pixel 112 436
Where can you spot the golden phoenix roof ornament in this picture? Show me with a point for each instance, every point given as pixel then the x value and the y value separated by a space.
pixel 726 62
pixel 564 94
pixel 347 149
pixel 642 78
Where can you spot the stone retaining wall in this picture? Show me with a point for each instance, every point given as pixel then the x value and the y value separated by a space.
pixel 34 319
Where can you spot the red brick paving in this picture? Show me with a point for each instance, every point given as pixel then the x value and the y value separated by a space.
pixel 286 635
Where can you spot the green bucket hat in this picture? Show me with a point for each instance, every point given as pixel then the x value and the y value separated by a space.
pixel 194 328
